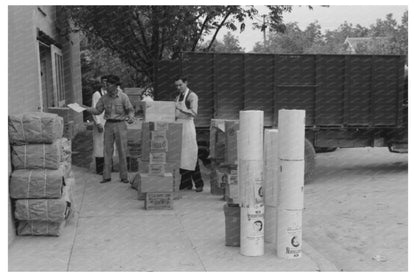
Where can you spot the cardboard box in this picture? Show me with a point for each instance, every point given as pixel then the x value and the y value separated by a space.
pixel 217 138
pixel 174 141
pixel 160 145
pixel 159 111
pixel 134 132
pixel 232 191
pixel 157 158
pixel 152 183
pixel 156 169
pixel 159 201
pixel 132 164
pixel 169 168
pixel 231 128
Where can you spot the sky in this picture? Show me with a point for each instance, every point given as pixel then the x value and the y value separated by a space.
pixel 328 17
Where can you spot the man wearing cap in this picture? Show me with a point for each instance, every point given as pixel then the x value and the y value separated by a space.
pixel 117 110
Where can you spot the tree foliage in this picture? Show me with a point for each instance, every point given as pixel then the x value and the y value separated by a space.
pixel 312 40
pixel 230 44
pixel 141 36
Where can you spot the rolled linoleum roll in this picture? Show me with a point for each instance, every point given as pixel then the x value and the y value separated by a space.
pixel 291 125
pixel 291 184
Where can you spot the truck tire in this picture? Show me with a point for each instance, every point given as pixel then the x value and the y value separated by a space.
pixel 309 161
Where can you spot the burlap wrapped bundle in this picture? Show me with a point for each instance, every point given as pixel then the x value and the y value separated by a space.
pixel 35 128
pixel 54 210
pixel 43 156
pixel 38 183
pixel 39 228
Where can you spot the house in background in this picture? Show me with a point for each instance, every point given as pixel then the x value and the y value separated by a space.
pixel 371 44
pixel 44 67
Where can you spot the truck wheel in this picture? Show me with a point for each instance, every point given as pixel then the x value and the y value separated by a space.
pixel 309 161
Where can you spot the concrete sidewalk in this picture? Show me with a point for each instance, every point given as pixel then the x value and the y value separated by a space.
pixel 111 231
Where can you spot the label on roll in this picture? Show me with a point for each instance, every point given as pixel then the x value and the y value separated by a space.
pixel 255 217
pixel 251 182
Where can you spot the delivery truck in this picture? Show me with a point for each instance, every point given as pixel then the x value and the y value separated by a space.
pixel 350 100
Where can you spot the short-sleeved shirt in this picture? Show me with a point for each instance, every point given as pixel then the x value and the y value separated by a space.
pixel 118 107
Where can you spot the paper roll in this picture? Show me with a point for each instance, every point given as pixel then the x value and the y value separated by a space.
pixel 289 234
pixel 251 135
pixel 271 167
pixel 270 217
pixel 291 185
pixel 252 231
pixel 250 183
pixel 291 125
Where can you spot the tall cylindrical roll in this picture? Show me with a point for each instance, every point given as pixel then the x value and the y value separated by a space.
pixel 271 167
pixel 291 144
pixel 250 176
pixel 291 126
pixel 290 192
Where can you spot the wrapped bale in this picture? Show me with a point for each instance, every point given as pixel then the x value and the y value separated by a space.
pixel 35 128
pixel 39 228
pixel 43 156
pixel 54 210
pixel 37 183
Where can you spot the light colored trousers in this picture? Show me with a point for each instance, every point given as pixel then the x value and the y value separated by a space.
pixel 115 131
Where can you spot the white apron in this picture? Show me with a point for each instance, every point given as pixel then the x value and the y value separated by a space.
pixel 189 153
pixel 98 138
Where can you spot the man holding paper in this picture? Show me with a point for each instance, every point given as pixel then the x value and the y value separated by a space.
pixel 117 110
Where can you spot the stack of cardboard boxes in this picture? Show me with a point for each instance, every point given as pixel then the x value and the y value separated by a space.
pixel 41 180
pixel 158 178
pixel 224 160
pixel 133 145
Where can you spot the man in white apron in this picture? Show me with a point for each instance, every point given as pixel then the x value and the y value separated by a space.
pixel 98 129
pixel 186 111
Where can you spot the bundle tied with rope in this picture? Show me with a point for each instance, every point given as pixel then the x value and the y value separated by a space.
pixel 35 128
pixel 42 156
pixel 38 183
pixel 41 181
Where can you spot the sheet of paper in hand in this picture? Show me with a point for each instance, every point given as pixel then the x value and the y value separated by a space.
pixel 76 107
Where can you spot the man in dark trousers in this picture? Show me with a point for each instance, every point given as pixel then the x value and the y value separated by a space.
pixel 186 111
pixel 117 110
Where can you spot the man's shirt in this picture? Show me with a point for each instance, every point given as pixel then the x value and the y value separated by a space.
pixel 191 103
pixel 116 107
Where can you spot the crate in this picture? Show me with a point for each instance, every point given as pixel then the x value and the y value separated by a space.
pixel 159 201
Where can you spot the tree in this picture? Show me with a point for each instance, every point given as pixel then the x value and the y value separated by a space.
pixel 230 44
pixel 143 35
pixel 292 41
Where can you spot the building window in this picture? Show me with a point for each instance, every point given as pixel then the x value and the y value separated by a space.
pixel 58 76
